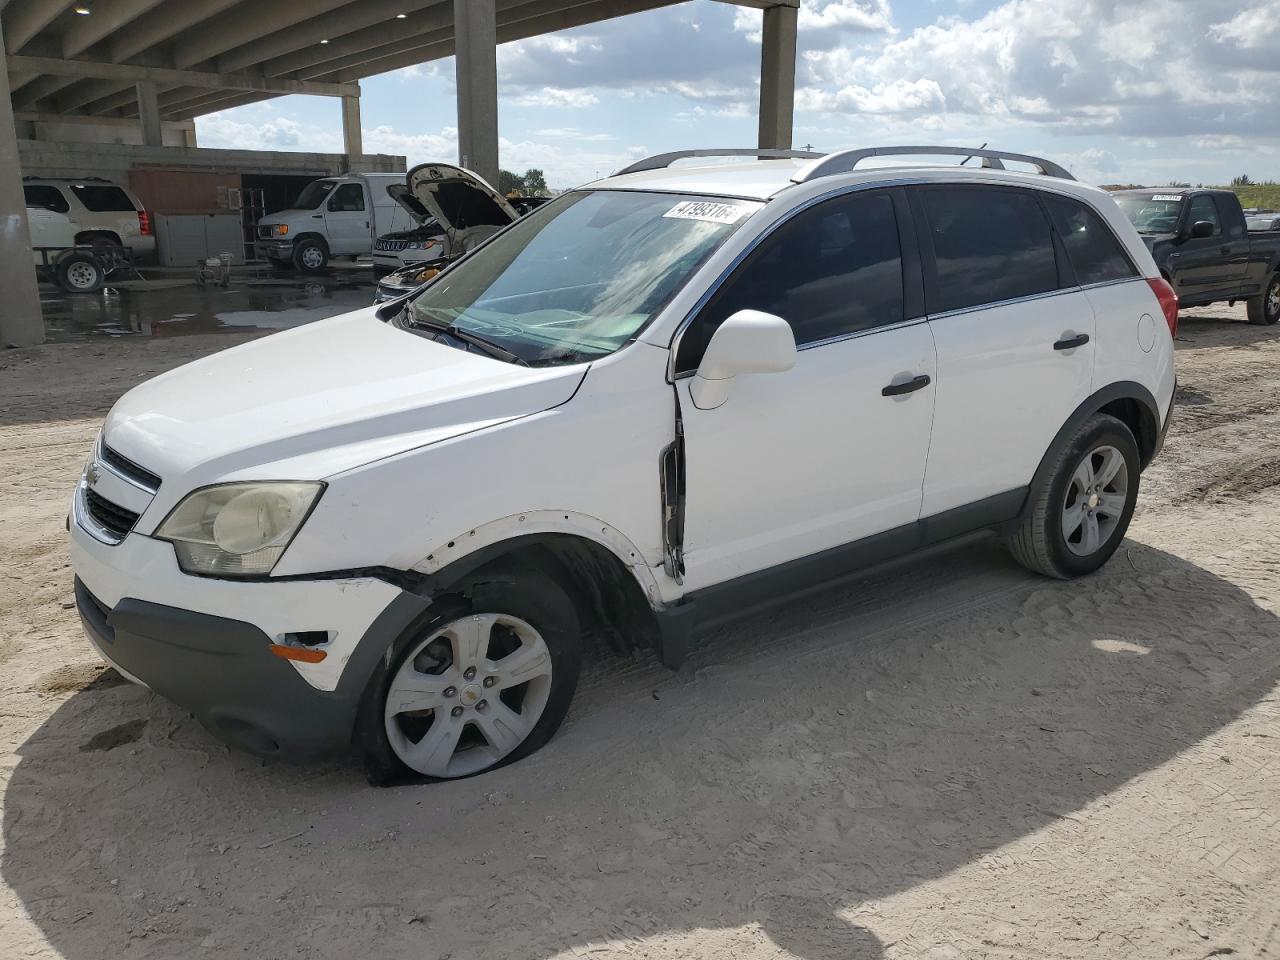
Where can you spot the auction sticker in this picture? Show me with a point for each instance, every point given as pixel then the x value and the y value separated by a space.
pixel 1167 196
pixel 708 210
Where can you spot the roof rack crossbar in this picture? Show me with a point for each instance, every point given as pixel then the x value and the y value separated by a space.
pixel 847 160
pixel 661 160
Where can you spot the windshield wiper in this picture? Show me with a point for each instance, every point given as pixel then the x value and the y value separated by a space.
pixel 495 350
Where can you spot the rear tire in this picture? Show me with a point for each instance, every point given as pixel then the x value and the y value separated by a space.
pixel 1264 309
pixel 1079 512
pixel 526 650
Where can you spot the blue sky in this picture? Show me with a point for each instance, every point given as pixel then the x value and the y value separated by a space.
pixel 1118 90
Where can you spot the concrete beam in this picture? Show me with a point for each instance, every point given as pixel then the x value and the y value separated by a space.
pixel 149 114
pixel 39 89
pixel 83 92
pixel 476 53
pixel 316 60
pixel 83 32
pixel 375 18
pixel 88 69
pixel 351 137
pixel 761 4
pixel 244 24
pixel 167 22
pixel 23 19
pixel 21 322
pixel 778 77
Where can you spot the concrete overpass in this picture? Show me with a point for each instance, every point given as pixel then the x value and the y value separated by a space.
pixel 151 61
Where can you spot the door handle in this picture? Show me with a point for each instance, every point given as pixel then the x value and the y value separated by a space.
pixel 1070 343
pixel 317 216
pixel 907 386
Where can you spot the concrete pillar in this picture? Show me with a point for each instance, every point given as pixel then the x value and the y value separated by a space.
pixel 21 323
pixel 476 62
pixel 149 113
pixel 351 127
pixel 778 77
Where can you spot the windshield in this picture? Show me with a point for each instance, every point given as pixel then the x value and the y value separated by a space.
pixel 1152 214
pixel 581 276
pixel 314 194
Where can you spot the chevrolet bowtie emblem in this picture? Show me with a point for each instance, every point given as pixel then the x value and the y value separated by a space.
pixel 91 474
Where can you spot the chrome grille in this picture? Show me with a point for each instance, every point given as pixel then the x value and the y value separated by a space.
pixel 126 468
pixel 111 517
pixel 391 244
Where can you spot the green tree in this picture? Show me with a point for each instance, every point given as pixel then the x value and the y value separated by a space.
pixel 534 183
pixel 1241 181
pixel 509 182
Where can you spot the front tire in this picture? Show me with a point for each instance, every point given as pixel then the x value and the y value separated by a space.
pixel 310 256
pixel 1078 514
pixel 1264 309
pixel 485 681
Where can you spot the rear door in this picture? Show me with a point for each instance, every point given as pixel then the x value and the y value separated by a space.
pixel 1014 341
pixel 346 220
pixel 820 456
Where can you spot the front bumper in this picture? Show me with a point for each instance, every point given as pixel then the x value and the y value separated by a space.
pixel 170 631
pixel 274 249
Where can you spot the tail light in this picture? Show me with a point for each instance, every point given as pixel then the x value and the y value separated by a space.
pixel 144 223
pixel 1168 302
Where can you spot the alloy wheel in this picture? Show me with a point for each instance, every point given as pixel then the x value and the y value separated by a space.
pixel 468 695
pixel 1095 500
pixel 1273 299
pixel 312 258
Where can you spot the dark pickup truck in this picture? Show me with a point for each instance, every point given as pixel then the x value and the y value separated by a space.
pixel 1202 246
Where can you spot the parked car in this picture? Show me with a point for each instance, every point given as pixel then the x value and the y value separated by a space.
pixel 407 279
pixel 679 395
pixel 1201 244
pixel 103 214
pixel 1262 220
pixel 332 217
pixel 57 257
pixel 453 209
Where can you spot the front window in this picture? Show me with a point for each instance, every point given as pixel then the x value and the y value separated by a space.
pixel 313 195
pixel 580 277
pixel 1152 214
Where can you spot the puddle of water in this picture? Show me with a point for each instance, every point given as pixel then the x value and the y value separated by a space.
pixel 247 304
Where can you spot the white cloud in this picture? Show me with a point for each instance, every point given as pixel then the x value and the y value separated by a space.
pixel 556 97
pixel 1250 29
pixel 853 16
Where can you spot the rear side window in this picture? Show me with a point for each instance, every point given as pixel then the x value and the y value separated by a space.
pixel 829 271
pixel 43 195
pixel 348 198
pixel 989 245
pixel 1095 253
pixel 1203 208
pixel 102 198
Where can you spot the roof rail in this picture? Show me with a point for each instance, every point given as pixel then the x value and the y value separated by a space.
pixel 661 160
pixel 846 160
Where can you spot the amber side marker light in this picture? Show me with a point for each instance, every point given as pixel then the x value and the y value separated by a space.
pixel 301 654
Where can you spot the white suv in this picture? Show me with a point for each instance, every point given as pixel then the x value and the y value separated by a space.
pixel 662 400
pixel 104 213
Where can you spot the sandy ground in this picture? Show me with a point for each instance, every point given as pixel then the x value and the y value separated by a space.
pixel 954 760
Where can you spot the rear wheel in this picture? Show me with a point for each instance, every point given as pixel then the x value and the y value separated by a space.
pixel 80 273
pixel 1078 514
pixel 484 682
pixel 1264 309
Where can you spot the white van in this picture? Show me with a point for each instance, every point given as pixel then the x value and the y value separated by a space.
pixel 333 217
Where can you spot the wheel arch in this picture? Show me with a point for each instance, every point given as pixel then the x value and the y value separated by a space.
pixel 1129 402
pixel 85 237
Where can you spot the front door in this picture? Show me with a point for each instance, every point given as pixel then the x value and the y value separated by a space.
pixel 346 220
pixel 1205 268
pixel 823 455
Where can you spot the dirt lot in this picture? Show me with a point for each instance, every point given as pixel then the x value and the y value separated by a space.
pixel 954 760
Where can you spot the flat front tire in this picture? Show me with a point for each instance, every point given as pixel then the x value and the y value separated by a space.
pixel 485 680
pixel 1078 513
pixel 1264 309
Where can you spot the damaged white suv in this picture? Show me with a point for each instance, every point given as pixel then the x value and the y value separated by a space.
pixel 664 399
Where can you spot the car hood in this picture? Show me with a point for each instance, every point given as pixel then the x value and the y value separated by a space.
pixel 457 198
pixel 320 399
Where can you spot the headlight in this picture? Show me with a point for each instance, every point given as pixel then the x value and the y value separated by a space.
pixel 238 529
pixel 281 229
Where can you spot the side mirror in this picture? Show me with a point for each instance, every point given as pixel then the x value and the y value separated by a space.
pixel 1200 230
pixel 748 341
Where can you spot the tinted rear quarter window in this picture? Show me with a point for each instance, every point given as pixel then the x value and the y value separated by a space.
pixel 830 271
pixel 43 195
pixel 1095 253
pixel 989 245
pixel 102 198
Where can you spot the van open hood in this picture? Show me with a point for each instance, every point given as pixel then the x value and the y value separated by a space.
pixel 458 199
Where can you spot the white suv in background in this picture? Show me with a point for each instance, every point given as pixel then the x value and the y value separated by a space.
pixel 103 213
pixel 668 398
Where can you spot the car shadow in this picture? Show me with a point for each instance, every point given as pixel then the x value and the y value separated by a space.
pixel 799 769
pixel 1204 327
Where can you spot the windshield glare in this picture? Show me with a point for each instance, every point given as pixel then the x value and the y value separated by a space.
pixel 313 195
pixel 1151 216
pixel 580 276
